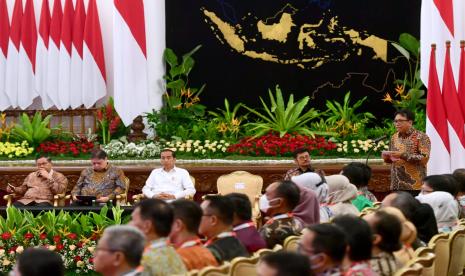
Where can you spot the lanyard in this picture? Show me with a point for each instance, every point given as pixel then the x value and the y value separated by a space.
pixel 243 226
pixel 282 216
pixel 191 243
pixel 220 236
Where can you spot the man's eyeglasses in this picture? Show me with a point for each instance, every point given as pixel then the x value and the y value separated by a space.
pixel 400 121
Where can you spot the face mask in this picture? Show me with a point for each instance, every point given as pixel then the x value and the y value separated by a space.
pixel 313 262
pixel 264 203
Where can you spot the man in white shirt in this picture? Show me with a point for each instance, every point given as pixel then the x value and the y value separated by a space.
pixel 168 182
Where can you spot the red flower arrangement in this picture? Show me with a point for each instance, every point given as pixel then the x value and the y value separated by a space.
pixel 108 121
pixel 75 148
pixel 273 145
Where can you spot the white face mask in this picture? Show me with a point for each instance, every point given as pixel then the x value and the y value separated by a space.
pixel 313 260
pixel 264 203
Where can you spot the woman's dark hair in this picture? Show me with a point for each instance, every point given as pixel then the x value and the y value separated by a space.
pixel 358 173
pixel 389 228
pixel 288 263
pixel 358 234
pixel 39 262
pixel 442 183
pixel 459 175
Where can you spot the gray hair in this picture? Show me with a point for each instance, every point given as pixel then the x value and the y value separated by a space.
pixel 127 239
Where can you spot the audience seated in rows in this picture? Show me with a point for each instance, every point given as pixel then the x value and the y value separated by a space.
pixel 243 226
pixel 40 186
pixel 359 244
pixel 325 246
pixel 216 226
pixel 283 264
pixel 386 229
pixel 278 203
pixel 119 251
pixel 154 218
pixel 39 262
pixel 102 180
pixel 341 192
pixel 359 174
pixel 420 214
pixel 168 182
pixel 183 236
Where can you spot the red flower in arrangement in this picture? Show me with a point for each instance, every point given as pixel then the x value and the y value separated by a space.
pixel 273 145
pixel 6 236
pixel 66 148
pixel 79 245
pixel 13 249
pixel 77 258
pixel 60 247
pixel 28 236
pixel 42 236
pixel 57 239
pixel 72 236
pixel 91 260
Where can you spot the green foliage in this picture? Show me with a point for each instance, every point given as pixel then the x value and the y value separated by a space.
pixel 34 132
pixel 228 121
pixel 344 119
pixel 281 117
pixel 410 93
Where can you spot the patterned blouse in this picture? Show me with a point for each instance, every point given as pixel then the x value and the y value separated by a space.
pixel 410 169
pixel 109 182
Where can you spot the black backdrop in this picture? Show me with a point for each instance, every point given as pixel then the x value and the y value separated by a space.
pixel 240 78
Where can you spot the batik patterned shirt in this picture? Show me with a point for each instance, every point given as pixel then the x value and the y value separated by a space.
pixel 275 231
pixel 107 183
pixel 410 169
pixel 160 259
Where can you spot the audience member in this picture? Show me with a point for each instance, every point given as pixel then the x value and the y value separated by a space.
pixel 154 218
pixel 314 182
pixel 283 264
pixel 119 251
pixel 386 230
pixel 325 245
pixel 168 182
pixel 216 226
pixel 102 180
pixel 441 183
pixel 307 211
pixel 407 237
pixel 420 214
pixel 341 192
pixel 243 226
pixel 445 207
pixel 277 203
pixel 183 236
pixel 459 175
pixel 302 160
pixel 39 262
pixel 359 243
pixel 40 186
pixel 359 174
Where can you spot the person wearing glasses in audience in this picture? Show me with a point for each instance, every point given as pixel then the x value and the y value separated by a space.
pixel 40 186
pixel 302 159
pixel 408 153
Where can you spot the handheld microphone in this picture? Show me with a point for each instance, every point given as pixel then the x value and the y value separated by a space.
pixel 379 139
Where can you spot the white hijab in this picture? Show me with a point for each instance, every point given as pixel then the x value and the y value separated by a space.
pixel 445 207
pixel 340 189
pixel 310 181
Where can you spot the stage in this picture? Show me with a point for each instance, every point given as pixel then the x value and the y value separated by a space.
pixel 205 173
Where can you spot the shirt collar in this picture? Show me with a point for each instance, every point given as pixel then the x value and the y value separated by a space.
pixel 407 133
pixel 172 170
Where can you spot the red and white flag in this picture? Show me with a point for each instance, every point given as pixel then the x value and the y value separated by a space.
pixel 436 123
pixel 93 73
pixel 454 115
pixel 130 60
pixel 64 67
pixel 27 57
pixel 54 53
pixel 4 38
pixel 461 87
pixel 42 54
pixel 12 68
pixel 75 91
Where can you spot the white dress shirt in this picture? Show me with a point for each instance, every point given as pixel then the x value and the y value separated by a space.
pixel 176 182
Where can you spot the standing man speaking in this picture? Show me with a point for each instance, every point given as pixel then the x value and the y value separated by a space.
pixel 408 153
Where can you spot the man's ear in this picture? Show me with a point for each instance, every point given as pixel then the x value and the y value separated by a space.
pixel 377 239
pixel 118 258
pixel 177 225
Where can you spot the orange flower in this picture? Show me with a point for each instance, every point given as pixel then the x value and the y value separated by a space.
pixel 400 89
pixel 387 98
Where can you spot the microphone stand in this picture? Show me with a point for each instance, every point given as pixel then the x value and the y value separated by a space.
pixel 370 150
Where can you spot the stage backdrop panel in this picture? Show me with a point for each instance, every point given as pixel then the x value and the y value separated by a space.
pixel 318 48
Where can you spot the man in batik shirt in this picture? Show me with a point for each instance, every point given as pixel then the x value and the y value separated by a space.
pixel 102 180
pixel 408 153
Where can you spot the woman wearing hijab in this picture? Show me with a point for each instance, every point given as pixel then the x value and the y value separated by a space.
pixel 445 207
pixel 307 211
pixel 340 194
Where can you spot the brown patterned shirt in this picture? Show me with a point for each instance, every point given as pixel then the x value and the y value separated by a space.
pixel 275 231
pixel 410 169
pixel 39 189
pixel 107 183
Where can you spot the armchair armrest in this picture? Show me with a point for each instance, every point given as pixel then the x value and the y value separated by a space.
pixel 9 199
pixel 121 199
pixel 256 212
pixel 60 199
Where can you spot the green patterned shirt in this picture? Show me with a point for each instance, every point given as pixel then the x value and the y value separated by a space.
pixel 160 259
